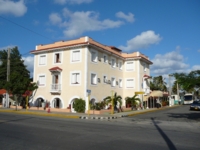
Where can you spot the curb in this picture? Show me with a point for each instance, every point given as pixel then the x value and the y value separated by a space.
pixel 80 117
pixel 97 118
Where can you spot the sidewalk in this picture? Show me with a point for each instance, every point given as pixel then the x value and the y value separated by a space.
pixel 81 115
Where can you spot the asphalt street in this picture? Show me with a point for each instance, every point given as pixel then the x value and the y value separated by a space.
pixel 173 128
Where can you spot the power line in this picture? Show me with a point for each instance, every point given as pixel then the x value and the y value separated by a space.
pixel 26 28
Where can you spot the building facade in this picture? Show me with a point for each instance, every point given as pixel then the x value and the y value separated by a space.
pixel 66 70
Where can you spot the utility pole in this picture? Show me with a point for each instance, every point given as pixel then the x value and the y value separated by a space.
pixel 170 91
pixel 178 92
pixel 8 77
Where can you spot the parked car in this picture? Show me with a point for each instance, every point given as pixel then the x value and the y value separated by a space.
pixel 195 105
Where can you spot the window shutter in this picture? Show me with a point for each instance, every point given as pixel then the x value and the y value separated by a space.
pixel 73 78
pixel 78 77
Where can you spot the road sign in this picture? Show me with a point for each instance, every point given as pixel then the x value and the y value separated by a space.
pixel 88 91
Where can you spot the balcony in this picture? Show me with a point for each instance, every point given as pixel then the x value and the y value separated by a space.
pixel 55 88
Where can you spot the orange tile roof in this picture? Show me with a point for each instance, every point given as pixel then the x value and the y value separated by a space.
pixel 81 42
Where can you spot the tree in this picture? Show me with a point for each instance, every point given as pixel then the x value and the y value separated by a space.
pixel 133 100
pixel 158 83
pixel 116 99
pixel 188 81
pixel 19 79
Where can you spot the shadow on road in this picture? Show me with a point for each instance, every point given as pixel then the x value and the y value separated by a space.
pixel 191 116
pixel 165 137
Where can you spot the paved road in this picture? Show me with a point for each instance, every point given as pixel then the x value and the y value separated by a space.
pixel 173 129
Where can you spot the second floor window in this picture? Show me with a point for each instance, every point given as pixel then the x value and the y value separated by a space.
pixel 104 79
pixel 41 80
pixel 113 82
pixel 120 83
pixel 130 83
pixel 75 78
pixel 93 79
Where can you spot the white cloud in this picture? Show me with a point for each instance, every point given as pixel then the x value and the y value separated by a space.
pixel 62 2
pixel 129 17
pixel 196 67
pixel 144 40
pixel 11 7
pixel 6 47
pixel 55 18
pixel 169 63
pixel 76 23
pixel 29 61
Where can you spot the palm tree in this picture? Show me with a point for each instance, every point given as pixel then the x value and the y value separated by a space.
pixel 158 83
pixel 116 99
pixel 133 100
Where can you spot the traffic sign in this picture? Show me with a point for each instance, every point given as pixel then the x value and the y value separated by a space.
pixel 88 91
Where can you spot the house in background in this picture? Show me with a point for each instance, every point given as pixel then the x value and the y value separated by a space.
pixel 65 70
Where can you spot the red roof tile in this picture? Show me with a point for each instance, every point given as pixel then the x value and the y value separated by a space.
pixel 55 69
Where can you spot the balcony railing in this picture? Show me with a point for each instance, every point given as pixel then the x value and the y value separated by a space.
pixel 55 88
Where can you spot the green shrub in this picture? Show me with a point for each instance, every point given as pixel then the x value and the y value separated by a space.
pixel 79 105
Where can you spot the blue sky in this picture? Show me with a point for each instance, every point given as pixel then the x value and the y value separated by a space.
pixel 167 31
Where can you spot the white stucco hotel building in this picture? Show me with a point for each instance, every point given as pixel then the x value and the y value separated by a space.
pixel 65 70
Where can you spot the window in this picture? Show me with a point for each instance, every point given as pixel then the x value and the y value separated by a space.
pixel 93 79
pixel 120 65
pixel 145 67
pixel 130 83
pixel 55 82
pixel 55 79
pixel 42 59
pixel 129 66
pixel 113 82
pixel 113 62
pixel 76 56
pixel 105 79
pixel 57 57
pixel 105 58
pixel 120 83
pixel 93 56
pixel 41 80
pixel 75 78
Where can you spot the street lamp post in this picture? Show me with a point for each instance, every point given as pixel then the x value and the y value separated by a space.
pixel 170 92
pixel 178 97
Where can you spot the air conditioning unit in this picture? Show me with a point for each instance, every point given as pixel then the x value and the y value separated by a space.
pixel 109 82
pixel 116 82
pixel 99 59
pixel 99 80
